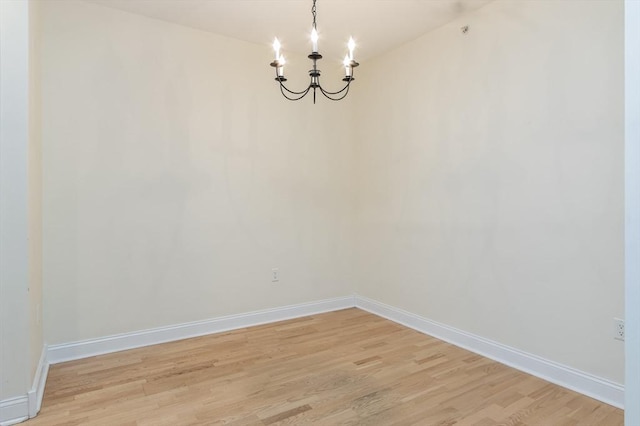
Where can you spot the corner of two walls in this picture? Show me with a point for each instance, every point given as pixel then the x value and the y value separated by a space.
pixel 490 179
pixel 35 191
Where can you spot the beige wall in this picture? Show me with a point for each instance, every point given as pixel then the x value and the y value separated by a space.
pixel 491 179
pixel 485 172
pixel 176 176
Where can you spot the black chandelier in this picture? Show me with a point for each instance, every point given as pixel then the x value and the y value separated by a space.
pixel 314 73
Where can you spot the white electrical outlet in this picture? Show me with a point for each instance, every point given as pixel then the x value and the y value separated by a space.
pixel 275 275
pixel 618 329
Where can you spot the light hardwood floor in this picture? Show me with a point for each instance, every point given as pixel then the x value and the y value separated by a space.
pixel 346 367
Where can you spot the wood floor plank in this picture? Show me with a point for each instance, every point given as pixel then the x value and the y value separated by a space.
pixel 341 368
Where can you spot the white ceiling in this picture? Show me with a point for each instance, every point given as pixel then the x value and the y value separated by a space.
pixel 376 25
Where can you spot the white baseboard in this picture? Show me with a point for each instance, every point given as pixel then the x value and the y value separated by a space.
pixel 21 408
pixel 83 349
pixel 37 389
pixel 570 378
pixel 14 410
pixel 579 381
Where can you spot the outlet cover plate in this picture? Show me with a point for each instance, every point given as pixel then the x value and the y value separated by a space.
pixel 618 329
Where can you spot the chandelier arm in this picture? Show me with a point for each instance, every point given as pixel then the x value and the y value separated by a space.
pixel 302 94
pixel 346 87
pixel 282 86
pixel 327 94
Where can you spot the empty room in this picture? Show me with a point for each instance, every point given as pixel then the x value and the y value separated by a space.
pixel 334 212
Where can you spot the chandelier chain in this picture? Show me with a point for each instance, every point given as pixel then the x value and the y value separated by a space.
pixel 313 12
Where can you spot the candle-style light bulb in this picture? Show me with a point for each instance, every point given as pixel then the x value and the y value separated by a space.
pixel 314 40
pixel 347 66
pixel 351 45
pixel 281 63
pixel 276 47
